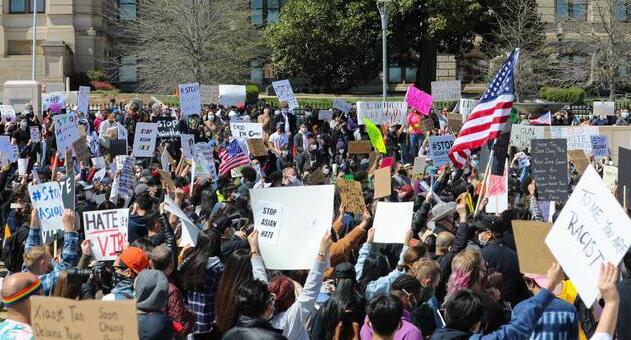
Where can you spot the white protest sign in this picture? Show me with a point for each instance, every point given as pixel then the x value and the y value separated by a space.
pixel 578 137
pixel 99 175
pixel 306 215
pixel 46 198
pixel 342 105
pixel 145 139
pixel 284 92
pixel 66 132
pixel 22 165
pixel 122 132
pixel 204 161
pixel 232 95
pixel 35 134
pixel 521 135
pixel 7 112
pixel 187 142
pixel 107 232
pixel 246 130
pixel 591 229
pixel 604 108
pixel 439 149
pixel 99 162
pixel 190 232
pixel 465 106
pixel 190 99
pixel 84 99
pixel 610 175
pixel 383 112
pixel 325 115
pixel 11 150
pixel 53 101
pixel 600 146
pixel 267 220
pixel 124 180
pixel 209 94
pixel 392 221
pixel 444 91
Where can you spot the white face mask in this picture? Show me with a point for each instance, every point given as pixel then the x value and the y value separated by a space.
pixel 312 147
pixel 481 240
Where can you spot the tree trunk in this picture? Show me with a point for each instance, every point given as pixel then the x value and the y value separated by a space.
pixel 426 65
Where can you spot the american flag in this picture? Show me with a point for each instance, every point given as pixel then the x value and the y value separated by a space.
pixel 490 117
pixel 544 119
pixel 232 156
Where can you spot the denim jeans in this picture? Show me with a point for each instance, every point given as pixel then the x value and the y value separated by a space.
pixel 416 140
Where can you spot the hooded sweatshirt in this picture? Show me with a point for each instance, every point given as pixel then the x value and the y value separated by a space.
pixel 137 228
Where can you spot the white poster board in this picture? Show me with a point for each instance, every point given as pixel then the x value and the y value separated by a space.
pixel 591 229
pixel 325 115
pixel 209 94
pixel 604 108
pixel 610 175
pixel 284 92
pixel 439 147
pixel 107 232
pixel 204 163
pixel 246 130
pixel 578 137
pixel 521 135
pixel 306 215
pixel 22 165
pixel 46 198
pixel 53 101
pixel 444 91
pixel 342 105
pixel 232 95
pixel 392 221
pixel 7 112
pixel 465 106
pixel 34 134
pixel 145 139
pixel 382 112
pixel 66 132
pixel 84 99
pixel 190 99
pixel 11 150
pixel 187 141
pixel 190 232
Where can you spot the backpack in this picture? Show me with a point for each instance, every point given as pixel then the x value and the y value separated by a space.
pixel 13 250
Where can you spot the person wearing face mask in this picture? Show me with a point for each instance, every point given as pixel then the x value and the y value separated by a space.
pixel 300 139
pixel 279 145
pixel 308 159
pixel 287 118
pixel 290 179
pixel 21 136
pixel 623 120
pixel 600 120
pixel 128 265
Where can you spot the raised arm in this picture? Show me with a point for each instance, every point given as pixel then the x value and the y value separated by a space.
pixel 609 291
pixel 258 266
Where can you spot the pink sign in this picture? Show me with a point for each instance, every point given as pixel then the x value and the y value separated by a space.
pixel 419 100
pixel 386 162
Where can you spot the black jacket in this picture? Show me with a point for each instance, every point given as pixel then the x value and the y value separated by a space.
pixel 624 327
pixel 504 260
pixel 255 329
pixel 449 334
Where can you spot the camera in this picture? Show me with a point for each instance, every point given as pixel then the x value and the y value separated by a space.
pixel 101 273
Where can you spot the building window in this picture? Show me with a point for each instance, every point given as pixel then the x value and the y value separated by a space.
pixel 263 12
pixel 394 74
pixel 273 11
pixel 622 10
pixel 127 9
pixel 410 74
pixel 256 72
pixel 575 10
pixel 256 12
pixel 26 6
pixel 128 72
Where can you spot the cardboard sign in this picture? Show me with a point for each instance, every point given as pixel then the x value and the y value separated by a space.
pixel 600 146
pixel 7 112
pixel 107 231
pixel 232 95
pixel 306 214
pixel 604 108
pixel 168 127
pixel 257 147
pixel 624 178
pixel 53 102
pixel 454 122
pixel 118 147
pixel 359 147
pixel 84 99
pixel 145 139
pixel 285 93
pixel 46 198
pixel 549 168
pixel 392 221
pixel 166 178
pixel 209 94
pixel 444 91
pixel 342 105
pixel 465 106
pixel 268 221
pixel 66 131
pixel 190 232
pixel 80 147
pixel 59 318
pixel 521 135
pixel 578 137
pixel 419 165
pixel 610 175
pixel 246 130
pixel 439 147
pixel 533 253
pixel 383 184
pixel 35 136
pixel 190 99
pixel 390 113
pixel 325 115
pixel 579 159
pixel 317 177
pixel 419 100
pixel 351 195
pixel 591 229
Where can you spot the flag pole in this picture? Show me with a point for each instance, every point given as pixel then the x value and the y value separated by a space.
pixel 484 180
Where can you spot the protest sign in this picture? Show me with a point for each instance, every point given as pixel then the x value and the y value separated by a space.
pixel 84 99
pixel 591 229
pixel 497 193
pixel 390 113
pixel 67 186
pixel 306 215
pixel 257 147
pixel 610 175
pixel 521 135
pixel 392 221
pixel 81 149
pixel 578 137
pixel 145 139
pixel 317 177
pixel 66 131
pixel 99 162
pixel 351 195
pixel 165 177
pixel 383 185
pixel 376 138
pixel 190 99
pixel 419 100
pixel 122 132
pixel 359 147
pixel 118 147
pixel 209 94
pixel 107 232
pixel 246 130
pixel 22 165
pixel 604 108
pixel 35 134
pixel 549 168
pixel 11 150
pixel 454 122
pixel 285 93
pixel 187 141
pixel 439 149
pixel 124 180
pixel 533 253
pixel 600 146
pixel 419 165
pixel 168 127
pixel 99 176
pixel 203 159
pixel 53 101
pixel 268 221
pixel 624 179
pixel 166 160
pixel 46 198
pixel 54 318
pixel 231 95
pixel 190 232
pixel 342 105
pixel 7 112
pixel 325 115
pixel 465 106
pixel 444 91
pixel 579 159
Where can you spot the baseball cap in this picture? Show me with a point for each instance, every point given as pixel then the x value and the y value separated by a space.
pixel 135 259
pixel 442 210
pixel 489 222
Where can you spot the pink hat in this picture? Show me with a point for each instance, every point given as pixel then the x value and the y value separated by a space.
pixel 542 282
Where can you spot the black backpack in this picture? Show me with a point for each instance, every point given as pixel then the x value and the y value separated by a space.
pixel 13 251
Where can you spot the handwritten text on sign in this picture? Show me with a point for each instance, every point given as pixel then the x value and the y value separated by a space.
pixel 382 112
pixel 246 130
pixel 284 92
pixel 145 139
pixel 47 200
pixel 190 99
pixel 107 232
pixel 439 149
pixel 549 168
pixel 66 131
pixel 267 220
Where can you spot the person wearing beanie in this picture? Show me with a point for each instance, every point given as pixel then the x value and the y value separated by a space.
pixel 151 291
pixel 127 266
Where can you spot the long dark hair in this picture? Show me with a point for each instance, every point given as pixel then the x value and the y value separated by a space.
pixel 191 275
pixel 238 269
pixel 346 305
pixel 376 266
